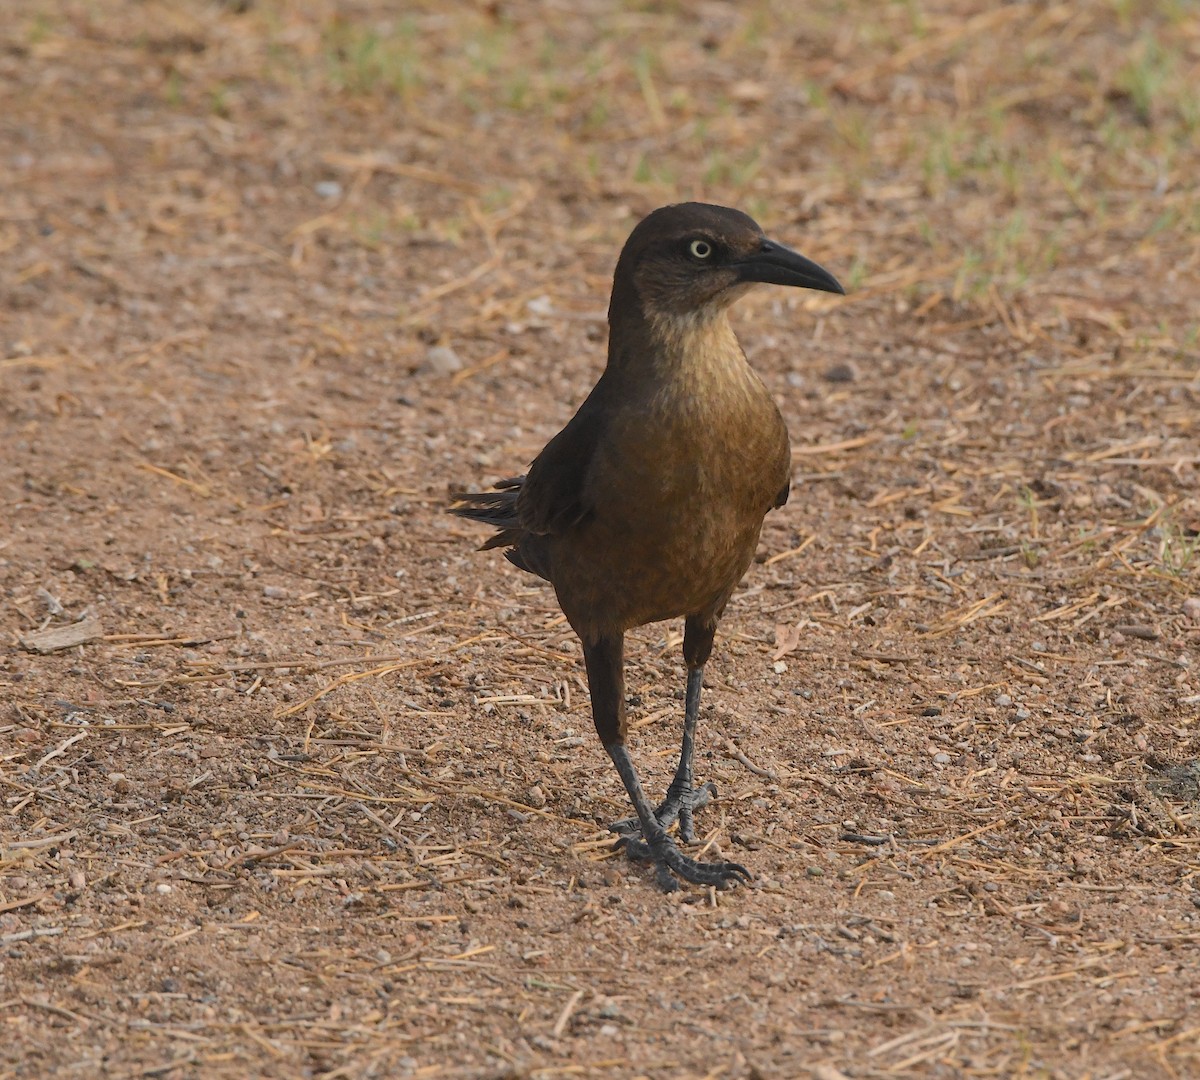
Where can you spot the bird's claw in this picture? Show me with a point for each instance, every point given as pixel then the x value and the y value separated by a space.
pixel 668 860
pixel 679 805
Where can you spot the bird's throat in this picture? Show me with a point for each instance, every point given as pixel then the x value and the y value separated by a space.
pixel 701 348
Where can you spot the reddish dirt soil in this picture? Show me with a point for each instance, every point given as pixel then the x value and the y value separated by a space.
pixel 316 792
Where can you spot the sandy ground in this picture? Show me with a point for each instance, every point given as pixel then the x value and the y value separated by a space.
pixel 298 784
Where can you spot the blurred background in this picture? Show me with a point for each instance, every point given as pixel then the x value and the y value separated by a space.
pixel 955 160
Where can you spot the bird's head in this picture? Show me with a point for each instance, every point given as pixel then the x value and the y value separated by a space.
pixel 692 260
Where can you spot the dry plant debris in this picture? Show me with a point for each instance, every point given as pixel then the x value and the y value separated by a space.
pixel 319 797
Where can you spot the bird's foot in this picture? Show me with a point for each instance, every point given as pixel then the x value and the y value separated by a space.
pixel 681 801
pixel 669 860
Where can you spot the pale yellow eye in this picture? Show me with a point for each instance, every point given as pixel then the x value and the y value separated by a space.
pixel 700 249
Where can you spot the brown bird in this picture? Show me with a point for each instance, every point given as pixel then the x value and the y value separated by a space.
pixel 649 503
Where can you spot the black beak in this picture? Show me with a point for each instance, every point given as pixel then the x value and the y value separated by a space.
pixel 776 265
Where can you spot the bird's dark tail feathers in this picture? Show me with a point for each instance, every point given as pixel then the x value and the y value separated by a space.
pixel 499 509
pixel 496 508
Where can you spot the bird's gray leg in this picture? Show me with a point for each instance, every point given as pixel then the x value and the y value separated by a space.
pixel 683 797
pixel 604 659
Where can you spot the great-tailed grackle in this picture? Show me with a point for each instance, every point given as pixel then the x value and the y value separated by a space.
pixel 649 503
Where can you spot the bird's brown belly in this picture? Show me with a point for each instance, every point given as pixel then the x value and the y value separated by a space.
pixel 654 562
pixel 677 497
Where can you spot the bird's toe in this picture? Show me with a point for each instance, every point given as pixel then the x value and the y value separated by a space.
pixel 669 861
pixel 679 805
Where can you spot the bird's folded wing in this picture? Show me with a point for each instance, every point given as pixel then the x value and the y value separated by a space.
pixel 554 497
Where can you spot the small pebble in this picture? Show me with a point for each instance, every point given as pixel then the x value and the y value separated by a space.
pixel 274 592
pixel 1003 700
pixel 1191 608
pixel 536 797
pixel 328 189
pixel 442 360
pixel 840 373
pixel 163 888
pixel 942 758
